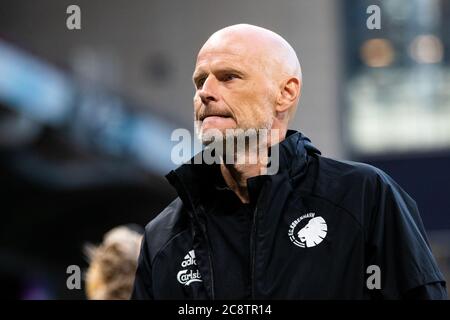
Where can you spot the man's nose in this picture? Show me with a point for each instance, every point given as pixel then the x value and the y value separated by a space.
pixel 208 92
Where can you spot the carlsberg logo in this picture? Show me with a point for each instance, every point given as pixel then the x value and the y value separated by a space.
pixel 187 276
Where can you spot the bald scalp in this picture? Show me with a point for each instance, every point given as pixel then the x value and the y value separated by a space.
pixel 263 46
pixel 267 43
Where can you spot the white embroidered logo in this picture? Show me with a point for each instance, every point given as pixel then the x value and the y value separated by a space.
pixel 311 234
pixel 187 276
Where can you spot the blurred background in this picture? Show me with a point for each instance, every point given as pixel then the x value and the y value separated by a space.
pixel 86 115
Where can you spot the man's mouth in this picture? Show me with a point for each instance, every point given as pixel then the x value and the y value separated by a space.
pixel 213 117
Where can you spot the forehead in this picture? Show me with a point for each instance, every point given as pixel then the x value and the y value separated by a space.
pixel 220 59
pixel 235 54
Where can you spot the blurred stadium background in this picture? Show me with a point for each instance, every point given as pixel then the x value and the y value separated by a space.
pixel 86 115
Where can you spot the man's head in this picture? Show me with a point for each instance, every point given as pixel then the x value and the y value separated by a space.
pixel 246 77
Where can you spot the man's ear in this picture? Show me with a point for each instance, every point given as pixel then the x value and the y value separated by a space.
pixel 290 91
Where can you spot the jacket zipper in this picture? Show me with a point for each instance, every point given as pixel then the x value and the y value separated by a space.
pixel 253 254
pixel 203 229
pixel 209 261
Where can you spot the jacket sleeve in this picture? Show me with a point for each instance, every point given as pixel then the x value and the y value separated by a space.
pixel 431 291
pixel 142 289
pixel 398 244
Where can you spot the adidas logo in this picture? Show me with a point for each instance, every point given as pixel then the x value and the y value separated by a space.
pixel 188 276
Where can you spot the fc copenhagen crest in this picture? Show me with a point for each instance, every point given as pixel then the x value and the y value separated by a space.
pixel 308 231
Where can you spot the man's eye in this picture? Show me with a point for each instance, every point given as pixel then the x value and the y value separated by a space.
pixel 200 82
pixel 229 76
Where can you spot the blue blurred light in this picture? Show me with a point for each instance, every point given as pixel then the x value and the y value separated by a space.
pixel 33 87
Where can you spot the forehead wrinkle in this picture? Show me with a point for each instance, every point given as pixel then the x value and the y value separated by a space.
pixel 218 57
pixel 221 60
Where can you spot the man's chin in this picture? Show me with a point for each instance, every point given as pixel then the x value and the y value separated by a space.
pixel 209 135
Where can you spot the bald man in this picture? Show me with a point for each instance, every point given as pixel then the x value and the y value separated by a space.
pixel 315 228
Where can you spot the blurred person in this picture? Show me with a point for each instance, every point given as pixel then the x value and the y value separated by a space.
pixel 113 263
pixel 316 229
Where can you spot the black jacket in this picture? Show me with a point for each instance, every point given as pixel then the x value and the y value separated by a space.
pixel 318 229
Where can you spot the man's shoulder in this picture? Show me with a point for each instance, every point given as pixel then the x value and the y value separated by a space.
pixel 351 175
pixel 167 217
pixel 353 186
pixel 165 226
pixel 338 177
pixel 348 170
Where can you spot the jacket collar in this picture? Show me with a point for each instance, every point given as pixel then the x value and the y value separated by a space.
pixel 293 153
pixel 194 181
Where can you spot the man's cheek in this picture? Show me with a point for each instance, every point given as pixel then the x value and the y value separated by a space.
pixel 197 107
pixel 196 102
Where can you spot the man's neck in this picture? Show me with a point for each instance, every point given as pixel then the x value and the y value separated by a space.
pixel 236 176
